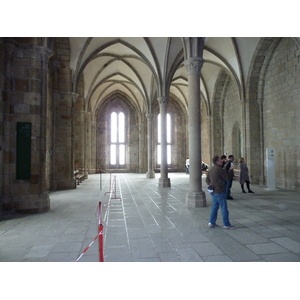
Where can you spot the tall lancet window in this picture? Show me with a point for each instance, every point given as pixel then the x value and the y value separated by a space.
pixel 169 158
pixel 117 139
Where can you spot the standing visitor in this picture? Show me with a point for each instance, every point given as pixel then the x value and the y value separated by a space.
pixel 229 166
pixel 187 165
pixel 244 176
pixel 217 178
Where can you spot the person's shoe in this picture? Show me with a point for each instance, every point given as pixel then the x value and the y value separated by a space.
pixel 250 191
pixel 244 191
pixel 229 227
pixel 212 226
pixel 229 198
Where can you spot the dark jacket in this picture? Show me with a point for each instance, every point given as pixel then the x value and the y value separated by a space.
pixel 228 170
pixel 217 177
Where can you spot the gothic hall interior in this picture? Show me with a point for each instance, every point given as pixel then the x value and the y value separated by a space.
pixel 143 105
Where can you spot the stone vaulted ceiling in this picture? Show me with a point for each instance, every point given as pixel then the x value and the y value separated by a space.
pixel 141 67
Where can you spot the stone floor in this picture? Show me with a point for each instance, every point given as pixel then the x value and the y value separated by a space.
pixel 145 223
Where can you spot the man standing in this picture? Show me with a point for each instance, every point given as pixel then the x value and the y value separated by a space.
pixel 187 165
pixel 224 159
pixel 229 169
pixel 217 178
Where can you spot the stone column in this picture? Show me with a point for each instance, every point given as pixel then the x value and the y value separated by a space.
pixel 63 142
pixel 28 102
pixel 164 181
pixel 79 132
pixel 90 141
pixel 243 127
pixel 262 178
pixel 45 53
pixel 93 142
pixel 7 199
pixel 150 173
pixel 196 197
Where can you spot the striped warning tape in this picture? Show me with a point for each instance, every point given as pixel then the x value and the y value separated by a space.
pixel 86 249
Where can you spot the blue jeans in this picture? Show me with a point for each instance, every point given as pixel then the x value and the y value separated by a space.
pixel 228 187
pixel 219 200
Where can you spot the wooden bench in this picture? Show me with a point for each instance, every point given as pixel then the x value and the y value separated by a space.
pixel 78 177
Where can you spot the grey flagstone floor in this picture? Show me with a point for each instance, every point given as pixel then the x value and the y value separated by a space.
pixel 145 223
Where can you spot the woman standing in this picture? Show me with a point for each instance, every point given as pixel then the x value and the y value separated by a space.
pixel 244 177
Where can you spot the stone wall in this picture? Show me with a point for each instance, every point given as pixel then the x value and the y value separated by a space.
pixel 25 100
pixel 281 113
pixel 232 115
pixel 2 80
pixel 205 135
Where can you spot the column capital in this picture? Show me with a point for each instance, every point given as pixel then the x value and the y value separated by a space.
pixel 9 48
pixel 44 52
pixel 193 65
pixel 260 101
pixel 74 97
pixel 163 101
pixel 149 115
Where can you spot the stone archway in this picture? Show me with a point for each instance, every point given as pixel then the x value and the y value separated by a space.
pixel 133 136
pixel 253 108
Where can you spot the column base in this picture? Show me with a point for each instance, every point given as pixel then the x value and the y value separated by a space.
pixel 65 184
pixel 164 182
pixel 195 199
pixel 33 204
pixel 150 174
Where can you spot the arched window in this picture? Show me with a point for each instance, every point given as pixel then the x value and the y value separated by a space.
pixel 117 140
pixel 169 158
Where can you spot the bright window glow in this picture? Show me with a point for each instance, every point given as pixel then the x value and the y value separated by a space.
pixel 158 129
pixel 158 155
pixel 122 154
pixel 113 154
pixel 169 131
pixel 121 128
pixel 117 139
pixel 113 133
pixel 168 154
pixel 168 128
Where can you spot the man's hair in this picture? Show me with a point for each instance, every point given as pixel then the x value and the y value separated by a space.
pixel 216 158
pixel 222 157
pixel 230 156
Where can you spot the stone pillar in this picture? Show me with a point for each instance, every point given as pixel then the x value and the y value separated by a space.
pixel 79 133
pixel 44 122
pixel 91 147
pixel 164 181
pixel 63 141
pixel 2 77
pixel 196 197
pixel 150 173
pixel 90 141
pixel 27 100
pixel 7 199
pixel 253 138
pixel 243 127
pixel 261 160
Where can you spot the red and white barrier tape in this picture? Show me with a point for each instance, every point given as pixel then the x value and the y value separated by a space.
pixel 86 249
